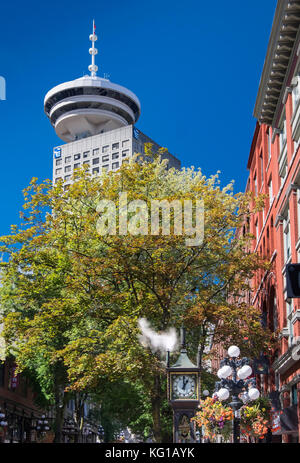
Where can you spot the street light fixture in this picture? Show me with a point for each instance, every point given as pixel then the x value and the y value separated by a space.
pixel 101 432
pixel 239 370
pixel 3 419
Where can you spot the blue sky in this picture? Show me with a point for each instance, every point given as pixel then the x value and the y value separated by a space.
pixel 194 65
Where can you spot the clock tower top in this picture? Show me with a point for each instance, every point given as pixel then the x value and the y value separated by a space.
pixel 183 361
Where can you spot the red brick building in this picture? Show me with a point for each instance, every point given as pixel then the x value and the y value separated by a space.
pixel 17 406
pixel 274 169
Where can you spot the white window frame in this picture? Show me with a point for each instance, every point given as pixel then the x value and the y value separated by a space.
pixel 296 94
pixel 287 236
pixel 269 144
pixel 270 187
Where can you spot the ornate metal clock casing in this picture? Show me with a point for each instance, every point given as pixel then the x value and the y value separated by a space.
pixel 183 395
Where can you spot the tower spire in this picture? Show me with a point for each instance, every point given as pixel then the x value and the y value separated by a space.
pixel 93 68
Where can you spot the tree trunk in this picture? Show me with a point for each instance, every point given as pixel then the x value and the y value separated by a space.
pixel 60 404
pixel 58 423
pixel 156 408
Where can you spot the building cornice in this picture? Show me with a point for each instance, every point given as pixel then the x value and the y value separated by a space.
pixel 284 362
pixel 283 45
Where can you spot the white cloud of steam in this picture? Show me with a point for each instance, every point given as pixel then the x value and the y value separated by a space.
pixel 166 340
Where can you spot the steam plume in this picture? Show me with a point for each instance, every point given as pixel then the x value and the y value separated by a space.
pixel 166 340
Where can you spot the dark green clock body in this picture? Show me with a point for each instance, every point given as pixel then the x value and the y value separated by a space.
pixel 183 396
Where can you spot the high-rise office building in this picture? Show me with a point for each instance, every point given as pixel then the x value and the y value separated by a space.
pixel 96 118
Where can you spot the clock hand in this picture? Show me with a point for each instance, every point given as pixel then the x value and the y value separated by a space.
pixel 184 383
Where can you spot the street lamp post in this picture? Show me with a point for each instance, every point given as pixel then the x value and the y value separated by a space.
pixel 238 370
pixel 42 426
pixel 101 433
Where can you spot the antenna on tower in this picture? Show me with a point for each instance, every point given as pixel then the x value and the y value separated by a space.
pixel 93 68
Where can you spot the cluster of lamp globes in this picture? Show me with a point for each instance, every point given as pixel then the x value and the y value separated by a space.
pixel 242 373
pixel 41 424
pixel 3 421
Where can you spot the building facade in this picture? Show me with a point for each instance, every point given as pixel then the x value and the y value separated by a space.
pixel 274 170
pixel 19 413
pixel 103 152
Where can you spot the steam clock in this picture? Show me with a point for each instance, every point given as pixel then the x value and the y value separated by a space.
pixel 183 394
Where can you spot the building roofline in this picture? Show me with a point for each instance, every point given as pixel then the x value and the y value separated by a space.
pixel 253 145
pixel 283 37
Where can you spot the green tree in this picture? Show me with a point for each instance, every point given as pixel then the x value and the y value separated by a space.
pixel 72 297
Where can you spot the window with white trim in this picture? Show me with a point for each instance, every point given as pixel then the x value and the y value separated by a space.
pixel 256 230
pixel 286 235
pixel 296 94
pixel 261 168
pixel 283 169
pixel 270 187
pixel 282 134
pixel 269 143
pixel 289 312
pixel 255 183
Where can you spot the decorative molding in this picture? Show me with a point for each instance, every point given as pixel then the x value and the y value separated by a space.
pixel 285 361
pixel 279 218
pixel 285 95
pixel 284 333
pixel 294 381
pixel 275 132
pixel 283 47
pixel 295 316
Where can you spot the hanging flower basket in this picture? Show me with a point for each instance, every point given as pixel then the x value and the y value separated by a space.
pixel 214 418
pixel 255 418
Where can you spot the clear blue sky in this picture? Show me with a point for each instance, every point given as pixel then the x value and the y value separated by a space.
pixel 195 66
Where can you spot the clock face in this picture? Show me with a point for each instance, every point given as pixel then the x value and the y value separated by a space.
pixel 184 386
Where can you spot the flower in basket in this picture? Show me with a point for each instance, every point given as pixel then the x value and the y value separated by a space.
pixel 214 417
pixel 255 418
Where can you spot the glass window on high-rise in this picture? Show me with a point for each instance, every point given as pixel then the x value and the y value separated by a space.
pixel 67 159
pixel 96 161
pixel 115 156
pixel 76 156
pixel 115 165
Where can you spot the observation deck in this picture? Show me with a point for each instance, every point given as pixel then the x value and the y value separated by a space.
pixel 90 105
